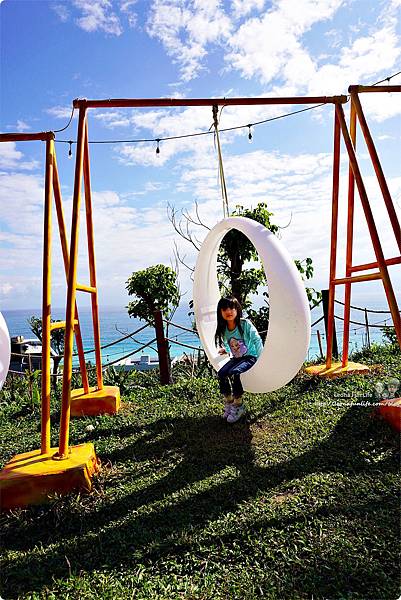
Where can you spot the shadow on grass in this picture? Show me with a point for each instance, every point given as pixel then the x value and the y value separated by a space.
pixel 142 523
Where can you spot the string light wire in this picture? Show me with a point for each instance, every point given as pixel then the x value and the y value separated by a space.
pixel 248 126
pixel 190 135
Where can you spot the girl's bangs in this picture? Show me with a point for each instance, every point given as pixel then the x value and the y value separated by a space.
pixel 227 303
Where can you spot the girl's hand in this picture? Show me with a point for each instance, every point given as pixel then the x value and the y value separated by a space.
pixel 222 351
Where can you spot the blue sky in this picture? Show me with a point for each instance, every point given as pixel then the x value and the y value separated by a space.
pixel 53 52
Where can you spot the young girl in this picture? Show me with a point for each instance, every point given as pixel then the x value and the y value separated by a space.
pixel 239 336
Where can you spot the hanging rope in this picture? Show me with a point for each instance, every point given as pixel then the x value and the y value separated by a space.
pixel 220 157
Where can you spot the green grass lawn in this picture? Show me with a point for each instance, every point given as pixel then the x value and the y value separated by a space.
pixel 301 500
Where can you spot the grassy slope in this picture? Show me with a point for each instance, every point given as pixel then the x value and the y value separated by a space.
pixel 300 501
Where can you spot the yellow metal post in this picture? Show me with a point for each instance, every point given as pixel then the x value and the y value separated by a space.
pixel 46 299
pixel 381 262
pixel 378 168
pixel 66 260
pixel 101 399
pixel 333 246
pixel 350 237
pixel 71 289
pixel 92 263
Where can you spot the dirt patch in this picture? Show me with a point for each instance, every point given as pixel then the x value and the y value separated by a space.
pixel 283 496
pixel 266 430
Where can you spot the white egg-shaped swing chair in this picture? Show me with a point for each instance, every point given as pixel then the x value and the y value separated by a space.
pixel 5 350
pixel 288 335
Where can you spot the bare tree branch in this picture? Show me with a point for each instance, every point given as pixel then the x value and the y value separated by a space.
pixel 197 241
pixel 181 260
pixel 182 221
pixel 198 222
pixel 288 224
pixel 178 227
pixel 199 219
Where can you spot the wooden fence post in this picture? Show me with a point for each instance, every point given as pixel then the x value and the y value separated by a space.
pixel 367 329
pixel 320 344
pixel 325 302
pixel 162 349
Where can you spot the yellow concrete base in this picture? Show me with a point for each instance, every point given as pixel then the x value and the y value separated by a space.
pixel 97 402
pixel 336 370
pixel 32 477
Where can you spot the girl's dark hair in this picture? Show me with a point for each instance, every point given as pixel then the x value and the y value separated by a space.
pixel 228 302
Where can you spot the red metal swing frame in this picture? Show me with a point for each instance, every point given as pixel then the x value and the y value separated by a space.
pixel 355 176
pixel 82 171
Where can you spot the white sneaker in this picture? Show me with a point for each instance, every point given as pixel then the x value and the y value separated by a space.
pixel 236 413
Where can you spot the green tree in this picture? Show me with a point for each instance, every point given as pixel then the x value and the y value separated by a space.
pixel 236 250
pixel 56 336
pixel 56 340
pixel 235 254
pixel 153 288
pixel 390 335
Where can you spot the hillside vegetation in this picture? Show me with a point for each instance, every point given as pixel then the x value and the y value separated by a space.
pixel 301 500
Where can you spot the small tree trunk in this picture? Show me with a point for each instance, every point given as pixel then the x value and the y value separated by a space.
pixel 320 344
pixel 325 301
pixel 56 362
pixel 236 269
pixel 367 329
pixel 162 349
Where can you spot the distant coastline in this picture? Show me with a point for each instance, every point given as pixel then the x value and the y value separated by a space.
pixel 115 323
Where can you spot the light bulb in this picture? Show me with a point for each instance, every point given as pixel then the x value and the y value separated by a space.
pixel 250 134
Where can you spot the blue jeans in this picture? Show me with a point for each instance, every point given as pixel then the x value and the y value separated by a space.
pixel 232 370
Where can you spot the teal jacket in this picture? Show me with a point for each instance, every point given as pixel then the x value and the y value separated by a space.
pixel 249 343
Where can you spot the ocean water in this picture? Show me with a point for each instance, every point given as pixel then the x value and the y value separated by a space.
pixel 115 323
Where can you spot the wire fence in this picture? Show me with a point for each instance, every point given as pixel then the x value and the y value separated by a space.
pixel 185 339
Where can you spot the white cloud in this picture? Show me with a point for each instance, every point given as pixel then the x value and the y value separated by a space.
pixel 186 29
pixel 124 241
pixel 385 136
pixel 335 37
pixel 113 118
pixel 11 158
pixel 125 8
pixel 165 123
pixel 126 5
pixel 265 45
pixel 258 176
pixel 23 214
pixel 257 50
pixel 61 11
pixel 297 185
pixel 379 107
pixel 22 126
pixel 9 155
pixel 60 112
pixel 241 8
pixel 297 189
pixel 368 54
pixel 360 63
pixel 98 16
pixel 6 289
